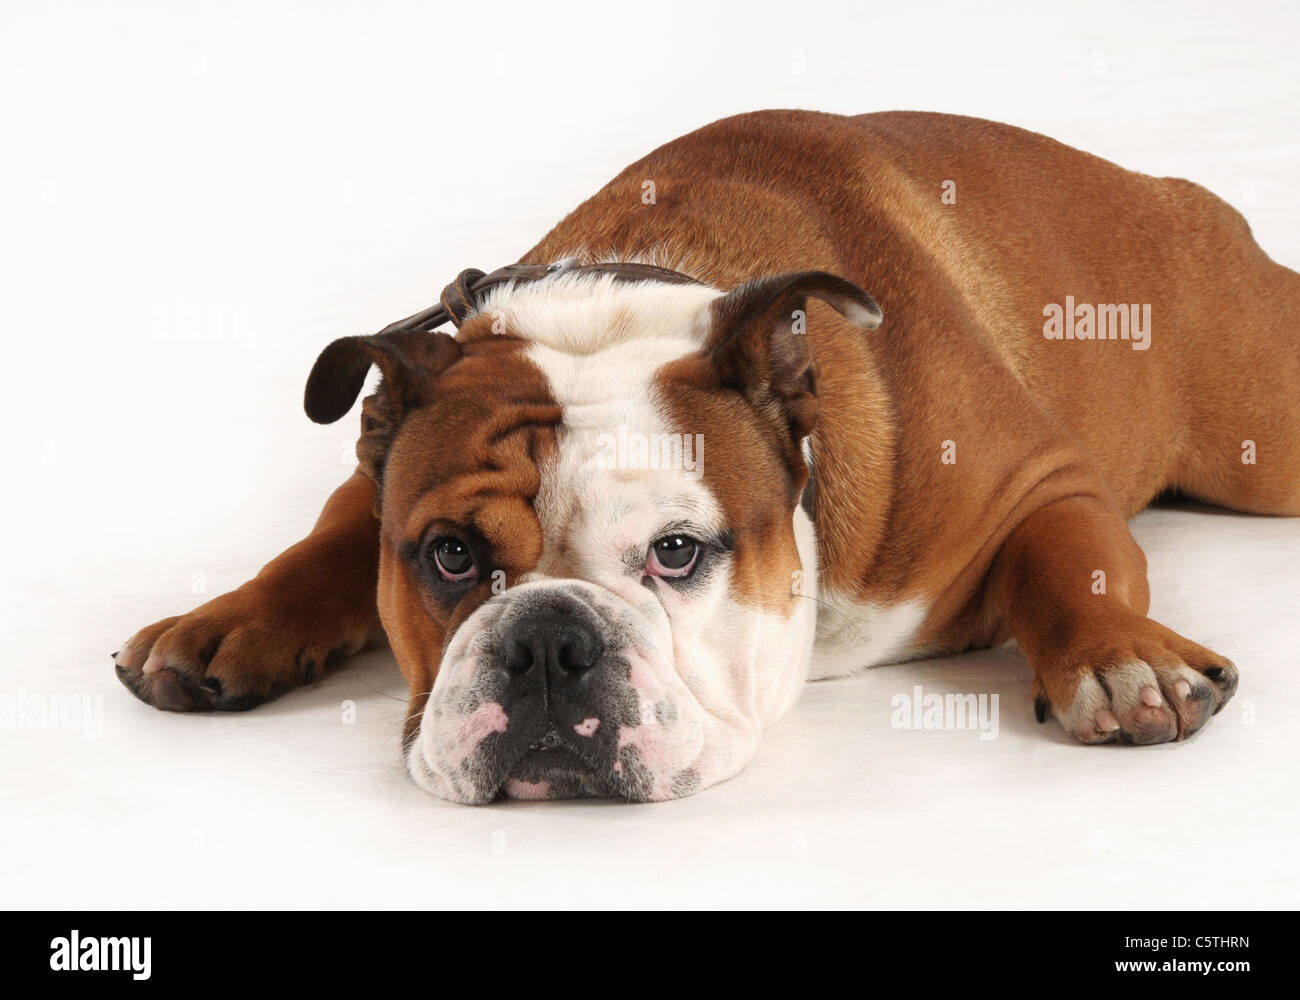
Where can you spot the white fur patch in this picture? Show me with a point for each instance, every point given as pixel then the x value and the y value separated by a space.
pixel 592 506
pixel 853 634
pixel 583 314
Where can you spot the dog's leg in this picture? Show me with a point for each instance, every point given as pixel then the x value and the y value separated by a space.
pixel 275 631
pixel 1071 583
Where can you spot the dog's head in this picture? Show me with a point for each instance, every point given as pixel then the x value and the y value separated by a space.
pixel 595 572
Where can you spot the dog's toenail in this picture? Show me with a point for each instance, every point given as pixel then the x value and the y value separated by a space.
pixel 1150 696
pixel 1106 721
pixel 1214 673
pixel 153 664
pixel 1182 688
pixel 211 684
pixel 1041 707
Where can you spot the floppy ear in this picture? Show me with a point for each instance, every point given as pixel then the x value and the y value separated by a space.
pixel 759 346
pixel 409 362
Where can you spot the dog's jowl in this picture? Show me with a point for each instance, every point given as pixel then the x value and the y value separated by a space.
pixel 803 413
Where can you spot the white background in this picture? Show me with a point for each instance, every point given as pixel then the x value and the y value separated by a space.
pixel 198 197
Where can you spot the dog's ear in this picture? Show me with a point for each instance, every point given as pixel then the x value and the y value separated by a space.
pixel 758 345
pixel 409 363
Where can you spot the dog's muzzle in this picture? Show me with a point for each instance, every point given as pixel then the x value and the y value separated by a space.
pixel 564 689
pixel 557 691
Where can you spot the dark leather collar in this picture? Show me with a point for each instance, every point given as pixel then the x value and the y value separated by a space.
pixel 463 296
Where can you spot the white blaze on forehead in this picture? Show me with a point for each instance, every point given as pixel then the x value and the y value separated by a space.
pixel 585 314
pixel 744 667
pixel 596 496
pixel 599 343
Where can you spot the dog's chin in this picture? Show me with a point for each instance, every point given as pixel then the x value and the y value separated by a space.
pixel 548 767
pixel 552 768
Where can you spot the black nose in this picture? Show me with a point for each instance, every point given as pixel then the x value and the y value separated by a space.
pixel 551 641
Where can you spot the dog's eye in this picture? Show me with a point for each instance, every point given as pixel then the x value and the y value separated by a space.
pixel 453 559
pixel 673 556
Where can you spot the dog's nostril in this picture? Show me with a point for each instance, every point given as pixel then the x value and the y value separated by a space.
pixel 579 655
pixel 519 658
pixel 551 640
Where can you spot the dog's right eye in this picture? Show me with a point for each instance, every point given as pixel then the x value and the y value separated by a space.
pixel 453 559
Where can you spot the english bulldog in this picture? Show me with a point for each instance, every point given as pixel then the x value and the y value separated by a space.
pixel 677 461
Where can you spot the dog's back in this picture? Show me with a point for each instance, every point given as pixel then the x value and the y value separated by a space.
pixel 1132 313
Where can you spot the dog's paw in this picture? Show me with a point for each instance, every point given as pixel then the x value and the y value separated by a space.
pixel 1153 686
pixel 231 654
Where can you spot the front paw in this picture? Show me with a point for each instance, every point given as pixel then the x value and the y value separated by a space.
pixel 1143 684
pixel 231 654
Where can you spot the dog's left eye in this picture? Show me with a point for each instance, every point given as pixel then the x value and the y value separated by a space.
pixel 673 556
pixel 453 559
